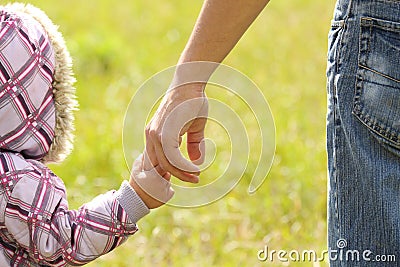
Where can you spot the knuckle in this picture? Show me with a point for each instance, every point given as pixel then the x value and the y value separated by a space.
pixel 152 133
pixel 163 166
pixel 147 130
pixel 158 136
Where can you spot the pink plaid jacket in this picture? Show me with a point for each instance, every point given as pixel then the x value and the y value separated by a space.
pixel 36 226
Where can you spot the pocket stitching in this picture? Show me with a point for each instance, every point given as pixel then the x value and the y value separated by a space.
pixel 379 73
pixel 384 131
pixel 377 23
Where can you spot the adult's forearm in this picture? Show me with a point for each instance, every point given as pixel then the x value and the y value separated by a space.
pixel 219 27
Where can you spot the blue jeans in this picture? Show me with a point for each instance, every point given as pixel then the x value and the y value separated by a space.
pixel 363 133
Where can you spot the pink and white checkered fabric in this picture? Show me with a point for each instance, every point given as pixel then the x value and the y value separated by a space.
pixel 37 228
pixel 27 111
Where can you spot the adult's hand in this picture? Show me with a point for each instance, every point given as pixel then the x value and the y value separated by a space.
pixel 183 110
pixel 219 27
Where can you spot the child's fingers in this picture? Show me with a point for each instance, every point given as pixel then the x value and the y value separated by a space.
pixel 144 158
pixel 155 183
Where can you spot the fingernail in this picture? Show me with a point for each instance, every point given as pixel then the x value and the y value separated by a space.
pixel 196 179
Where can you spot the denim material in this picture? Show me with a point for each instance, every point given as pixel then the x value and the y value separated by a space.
pixel 363 131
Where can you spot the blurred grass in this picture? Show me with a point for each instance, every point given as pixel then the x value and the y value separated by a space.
pixel 117 45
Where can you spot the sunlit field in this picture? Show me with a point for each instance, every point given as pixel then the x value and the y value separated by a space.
pixel 118 45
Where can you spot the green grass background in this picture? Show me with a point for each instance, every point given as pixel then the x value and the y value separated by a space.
pixel 117 45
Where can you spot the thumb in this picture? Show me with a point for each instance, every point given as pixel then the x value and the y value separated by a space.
pixel 186 113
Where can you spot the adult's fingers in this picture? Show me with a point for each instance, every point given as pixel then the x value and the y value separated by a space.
pixel 185 117
pixel 195 141
pixel 147 164
pixel 196 152
pixel 175 158
pixel 150 157
pixel 155 155
pixel 195 135
pixel 173 170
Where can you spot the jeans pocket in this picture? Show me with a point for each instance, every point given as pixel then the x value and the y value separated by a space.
pixel 377 95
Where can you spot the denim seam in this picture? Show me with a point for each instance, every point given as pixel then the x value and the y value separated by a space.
pixel 339 48
pixel 335 149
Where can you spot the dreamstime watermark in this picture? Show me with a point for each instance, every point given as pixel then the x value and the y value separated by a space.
pixel 340 253
pixel 237 111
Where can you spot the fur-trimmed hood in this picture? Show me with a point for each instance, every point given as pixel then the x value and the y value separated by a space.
pixel 37 96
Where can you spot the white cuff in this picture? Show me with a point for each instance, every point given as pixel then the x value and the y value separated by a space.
pixel 131 202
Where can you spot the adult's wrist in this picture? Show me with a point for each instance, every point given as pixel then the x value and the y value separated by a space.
pixel 195 73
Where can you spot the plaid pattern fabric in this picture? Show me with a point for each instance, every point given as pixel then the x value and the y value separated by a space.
pixel 38 229
pixel 36 226
pixel 27 112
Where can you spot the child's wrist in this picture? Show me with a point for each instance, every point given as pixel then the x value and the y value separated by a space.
pixel 149 201
pixel 131 202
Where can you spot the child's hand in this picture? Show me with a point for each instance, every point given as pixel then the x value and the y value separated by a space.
pixel 152 186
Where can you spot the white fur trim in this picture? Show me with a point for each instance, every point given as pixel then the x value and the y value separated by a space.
pixel 63 85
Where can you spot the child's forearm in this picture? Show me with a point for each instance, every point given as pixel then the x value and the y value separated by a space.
pixel 38 219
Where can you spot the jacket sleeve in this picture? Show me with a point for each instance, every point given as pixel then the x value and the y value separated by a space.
pixel 38 218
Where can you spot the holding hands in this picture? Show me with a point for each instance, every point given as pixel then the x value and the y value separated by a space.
pixel 153 186
pixel 183 110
